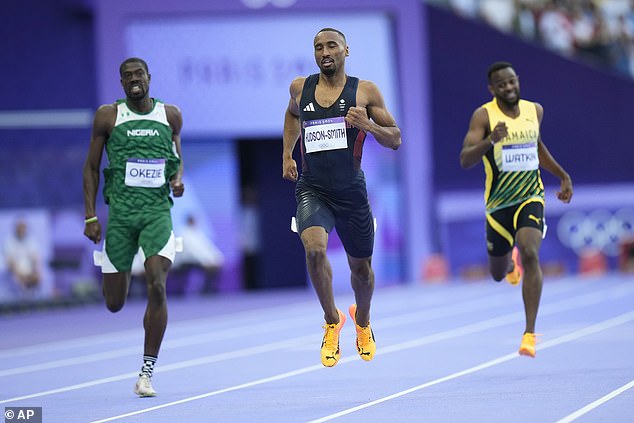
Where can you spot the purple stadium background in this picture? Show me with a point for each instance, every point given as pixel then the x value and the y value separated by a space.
pixel 433 65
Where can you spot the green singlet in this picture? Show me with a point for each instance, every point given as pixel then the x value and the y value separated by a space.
pixel 141 160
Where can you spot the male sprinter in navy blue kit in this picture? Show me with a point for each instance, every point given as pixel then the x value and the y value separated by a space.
pixel 332 113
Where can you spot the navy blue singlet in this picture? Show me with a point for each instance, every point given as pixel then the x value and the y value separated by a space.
pixel 331 170
pixel 331 190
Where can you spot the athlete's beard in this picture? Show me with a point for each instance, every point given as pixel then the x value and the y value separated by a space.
pixel 137 95
pixel 329 71
pixel 510 103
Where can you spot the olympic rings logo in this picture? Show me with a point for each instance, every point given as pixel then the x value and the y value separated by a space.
pixel 600 229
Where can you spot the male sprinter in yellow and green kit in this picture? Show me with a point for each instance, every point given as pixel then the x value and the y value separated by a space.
pixel 141 136
pixel 505 134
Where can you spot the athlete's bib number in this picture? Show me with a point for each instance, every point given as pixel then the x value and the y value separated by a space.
pixel 325 134
pixel 146 173
pixel 519 157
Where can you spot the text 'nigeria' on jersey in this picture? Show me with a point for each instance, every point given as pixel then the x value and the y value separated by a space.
pixel 142 133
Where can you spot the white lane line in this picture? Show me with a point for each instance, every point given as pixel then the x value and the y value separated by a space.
pixel 429 300
pixel 574 416
pixel 565 305
pixel 264 327
pixel 203 338
pixel 201 324
pixel 498 321
pixel 73 361
pixel 207 337
pixel 70 344
pixel 55 118
pixel 589 330
pixel 180 365
pixel 606 324
pixel 461 331
pixel 220 391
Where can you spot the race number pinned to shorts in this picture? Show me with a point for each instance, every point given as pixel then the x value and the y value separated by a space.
pixel 146 173
pixel 325 134
pixel 519 157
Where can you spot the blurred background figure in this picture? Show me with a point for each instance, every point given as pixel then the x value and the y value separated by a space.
pixel 199 252
pixel 598 32
pixel 250 237
pixel 195 269
pixel 23 261
pixel 429 212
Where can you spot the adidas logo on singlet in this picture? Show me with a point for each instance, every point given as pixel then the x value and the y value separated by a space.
pixel 310 107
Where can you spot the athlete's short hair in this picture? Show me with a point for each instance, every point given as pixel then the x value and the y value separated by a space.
pixel 332 30
pixel 496 67
pixel 133 60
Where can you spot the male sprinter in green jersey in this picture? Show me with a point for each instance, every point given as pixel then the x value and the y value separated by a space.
pixel 505 134
pixel 141 136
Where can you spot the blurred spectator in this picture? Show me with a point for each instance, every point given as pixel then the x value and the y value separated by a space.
pixel 621 51
pixel 199 251
pixel 600 32
pixel 524 22
pixel 584 25
pixel 555 29
pixel 23 261
pixel 250 237
pixel 592 38
pixel 498 13
pixel 467 8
